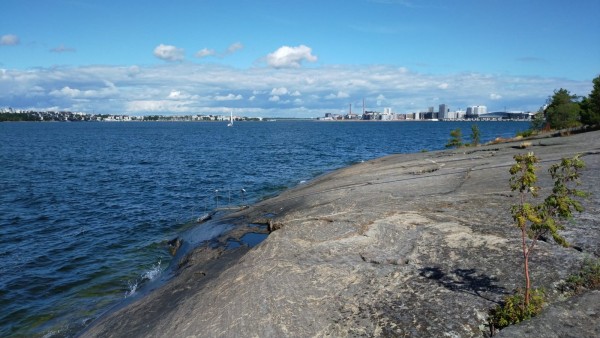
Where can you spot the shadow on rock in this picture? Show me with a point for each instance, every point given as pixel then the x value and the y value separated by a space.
pixel 465 280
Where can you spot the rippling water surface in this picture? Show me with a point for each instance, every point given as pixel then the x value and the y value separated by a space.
pixel 86 209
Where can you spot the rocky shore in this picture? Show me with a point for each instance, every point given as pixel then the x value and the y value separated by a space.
pixel 417 245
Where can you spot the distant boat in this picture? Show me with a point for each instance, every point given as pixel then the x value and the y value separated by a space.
pixel 230 124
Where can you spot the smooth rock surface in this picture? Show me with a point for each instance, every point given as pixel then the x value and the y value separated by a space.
pixel 417 245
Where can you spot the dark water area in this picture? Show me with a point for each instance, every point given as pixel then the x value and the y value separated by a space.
pixel 87 209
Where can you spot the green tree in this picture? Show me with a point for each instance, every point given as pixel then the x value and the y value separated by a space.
pixel 590 112
pixel 475 135
pixel 538 122
pixel 563 110
pixel 456 139
pixel 536 221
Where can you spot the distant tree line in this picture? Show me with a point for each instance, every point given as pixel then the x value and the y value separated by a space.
pixel 16 117
pixel 44 116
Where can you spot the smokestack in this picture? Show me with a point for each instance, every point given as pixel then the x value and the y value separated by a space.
pixel 363 106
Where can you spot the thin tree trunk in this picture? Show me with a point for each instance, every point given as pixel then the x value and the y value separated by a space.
pixel 526 266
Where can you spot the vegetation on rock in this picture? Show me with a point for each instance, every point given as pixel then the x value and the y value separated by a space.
pixel 536 221
pixel 513 310
pixel 456 139
pixel 588 277
pixel 475 135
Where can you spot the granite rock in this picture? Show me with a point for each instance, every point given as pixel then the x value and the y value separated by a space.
pixel 415 245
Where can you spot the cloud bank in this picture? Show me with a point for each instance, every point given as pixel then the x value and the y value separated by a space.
pixel 187 88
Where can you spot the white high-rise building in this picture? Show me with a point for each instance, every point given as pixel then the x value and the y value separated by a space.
pixel 475 111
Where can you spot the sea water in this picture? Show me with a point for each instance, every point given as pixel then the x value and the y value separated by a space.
pixel 87 209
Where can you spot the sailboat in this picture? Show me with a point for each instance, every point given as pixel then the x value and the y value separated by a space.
pixel 230 124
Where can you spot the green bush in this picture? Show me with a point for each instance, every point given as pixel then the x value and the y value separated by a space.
pixel 455 139
pixel 512 309
pixel 587 278
pixel 527 133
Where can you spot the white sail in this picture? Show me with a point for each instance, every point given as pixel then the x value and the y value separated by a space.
pixel 230 124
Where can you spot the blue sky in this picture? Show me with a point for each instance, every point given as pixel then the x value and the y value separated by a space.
pixel 293 58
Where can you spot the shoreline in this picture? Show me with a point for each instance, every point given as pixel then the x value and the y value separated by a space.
pixel 365 229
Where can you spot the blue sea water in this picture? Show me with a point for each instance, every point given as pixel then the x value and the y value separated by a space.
pixel 86 209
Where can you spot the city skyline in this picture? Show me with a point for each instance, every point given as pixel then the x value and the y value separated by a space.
pixel 306 59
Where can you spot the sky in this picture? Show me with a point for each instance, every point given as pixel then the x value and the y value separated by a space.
pixel 293 58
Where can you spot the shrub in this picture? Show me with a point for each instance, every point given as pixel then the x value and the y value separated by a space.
pixel 587 278
pixel 456 139
pixel 527 133
pixel 513 310
pixel 475 135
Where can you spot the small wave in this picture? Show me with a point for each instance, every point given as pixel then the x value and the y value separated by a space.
pixel 132 288
pixel 146 276
pixel 51 334
pixel 153 272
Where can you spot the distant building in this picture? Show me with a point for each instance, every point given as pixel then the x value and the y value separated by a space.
pixel 507 115
pixel 443 111
pixel 475 111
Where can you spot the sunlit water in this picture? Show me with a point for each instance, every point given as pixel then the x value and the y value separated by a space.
pixel 86 209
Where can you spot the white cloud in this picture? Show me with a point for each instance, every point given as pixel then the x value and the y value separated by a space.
pixel 9 40
pixel 279 91
pixel 179 95
pixel 274 98
pixel 234 47
pixel 338 95
pixel 133 71
pixel 495 96
pixel 296 93
pixel 156 106
pixel 228 97
pixel 443 86
pixel 62 49
pixel 290 57
pixel 66 91
pixel 168 53
pixel 205 52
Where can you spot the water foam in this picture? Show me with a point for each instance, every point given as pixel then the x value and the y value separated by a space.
pixel 146 276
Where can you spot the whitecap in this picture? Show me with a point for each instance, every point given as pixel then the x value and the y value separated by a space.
pixel 153 272
pixel 132 287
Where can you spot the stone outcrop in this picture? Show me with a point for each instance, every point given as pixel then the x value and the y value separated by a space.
pixel 417 245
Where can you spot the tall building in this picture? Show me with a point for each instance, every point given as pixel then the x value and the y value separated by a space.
pixel 443 112
pixel 475 111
